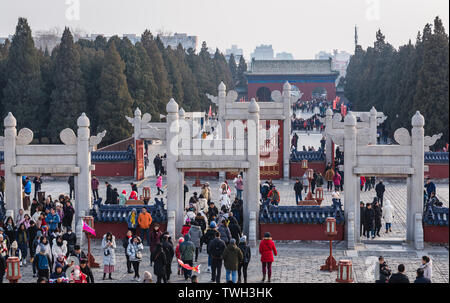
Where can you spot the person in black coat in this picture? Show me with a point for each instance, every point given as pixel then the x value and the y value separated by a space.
pixel 420 278
pixel 385 272
pixel 167 246
pixel 31 233
pixel 125 242
pixel 71 239
pixel 159 264
pixel 378 214
pixel 369 220
pixel 247 254
pixel 69 212
pixel 298 188
pixel 399 277
pixel 85 269
pixel 109 193
pixel 362 227
pixel 71 182
pixel 380 189
pixel 235 229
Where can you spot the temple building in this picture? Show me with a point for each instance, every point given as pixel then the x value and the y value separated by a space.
pixel 310 78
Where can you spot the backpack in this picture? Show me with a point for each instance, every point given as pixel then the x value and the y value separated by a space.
pixel 216 250
pixel 275 195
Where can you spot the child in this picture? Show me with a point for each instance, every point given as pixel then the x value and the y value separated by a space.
pixel 178 254
pixel 186 227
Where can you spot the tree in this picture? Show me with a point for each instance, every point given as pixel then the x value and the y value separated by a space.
pixel 23 93
pixel 115 101
pixel 233 69
pixel 68 99
pixel 222 71
pixel 242 69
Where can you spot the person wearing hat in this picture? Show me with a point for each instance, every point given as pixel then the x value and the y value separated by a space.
pixel 155 239
pixel 86 271
pixel 247 254
pixel 132 221
pixel 212 212
pixel 58 276
pixel 267 250
pixel 123 197
pixel 232 257
pixel 274 196
pixel 209 235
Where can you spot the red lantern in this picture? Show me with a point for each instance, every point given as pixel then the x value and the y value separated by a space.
pixel 146 194
pixel 319 195
pixel 345 272
pixel 305 164
pixel 13 269
pixel 330 263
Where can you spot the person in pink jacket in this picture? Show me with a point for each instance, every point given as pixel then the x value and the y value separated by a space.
pixel 159 185
pixel 337 181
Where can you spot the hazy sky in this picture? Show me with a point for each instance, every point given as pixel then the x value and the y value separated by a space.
pixel 301 27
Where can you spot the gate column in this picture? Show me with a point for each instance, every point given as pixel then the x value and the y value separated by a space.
pixel 13 182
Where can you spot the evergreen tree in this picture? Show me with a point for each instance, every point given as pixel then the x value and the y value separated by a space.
pixel 115 101
pixel 222 71
pixel 242 69
pixel 233 69
pixel 23 93
pixel 68 99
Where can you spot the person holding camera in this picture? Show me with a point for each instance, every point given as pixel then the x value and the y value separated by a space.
pixel 134 251
pixel 109 255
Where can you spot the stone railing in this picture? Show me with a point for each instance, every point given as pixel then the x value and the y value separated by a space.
pixel 112 156
pixel 436 157
pixel 437 216
pixel 119 213
pixel 298 156
pixel 298 215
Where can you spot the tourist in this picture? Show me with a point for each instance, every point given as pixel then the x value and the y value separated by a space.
pixel 159 185
pixel 167 246
pixel 388 215
pixel 195 233
pixel 337 181
pixel 41 261
pixel 147 277
pixel 186 227
pixel 380 189
pixel 209 235
pixel 232 257
pixel 206 192
pixel 427 266
pixel 125 242
pixel 58 276
pixel 318 179
pixel 155 239
pixel 185 191
pixel 27 187
pixel 420 278
pixel 430 187
pixel 215 249
pixel 52 219
pixel 267 250
pixel 133 195
pixel 298 188
pixel 59 247
pixel 37 181
pixel 109 254
pixel 239 187
pixel 71 182
pixel 178 254
pixel 400 276
pixel 32 231
pixel 78 253
pixel 382 271
pixel 86 271
pixel 160 261
pixel 362 182
pixel 22 242
pixel 265 188
pixel 225 233
pixel 369 221
pixel 378 214
pixel 34 206
pixel 109 194
pixel 69 212
pixel 144 221
pixel 77 276
pixel 123 197
pixel 157 163
pixel 164 164
pixel 212 212
pixel 134 187
pixel 134 251
pixel 71 239
pixel 247 254
pixel 362 227
pixel 94 184
pixel 14 251
pixel 187 249
pixel 274 196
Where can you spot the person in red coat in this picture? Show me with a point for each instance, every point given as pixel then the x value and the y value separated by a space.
pixel 267 250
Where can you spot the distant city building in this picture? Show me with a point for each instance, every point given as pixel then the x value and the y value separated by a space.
pixel 237 53
pixel 263 52
pixel 339 60
pixel 284 56
pixel 3 39
pixel 183 39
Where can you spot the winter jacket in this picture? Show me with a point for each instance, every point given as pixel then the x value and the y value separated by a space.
pixel 68 215
pixel 88 272
pixel 159 263
pixel 399 278
pixel 187 249
pixel 232 256
pixel 379 188
pixel 235 230
pixel 298 187
pixel 430 188
pixel 369 218
pixel 267 250
pixel 122 199
pixel 129 223
pixel 422 280
pixel 206 192
pixel 155 238
pixel 185 229
pixel 388 212
pixel 246 252
pixel 216 248
pixel 208 236
pixel 58 250
pixel 41 261
pixel 94 183
pixel 27 187
pixel 225 233
pixel 329 174
pixel 52 221
pixel 378 215
pixel 159 182
pixel 239 184
pixel 145 220
pixel 202 202
pixel 427 269
pixel 109 254
pixel 133 249
pixel 195 233
pixel 337 179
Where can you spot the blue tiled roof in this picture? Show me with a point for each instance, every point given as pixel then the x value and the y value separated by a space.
pixel 102 156
pixel 119 213
pixel 437 216
pixel 436 157
pixel 298 156
pixel 297 215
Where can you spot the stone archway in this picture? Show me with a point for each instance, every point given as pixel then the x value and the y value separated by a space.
pixel 263 94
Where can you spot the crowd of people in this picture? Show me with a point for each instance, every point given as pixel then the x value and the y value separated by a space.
pixel 310 124
pixel 310 106
pixel 383 274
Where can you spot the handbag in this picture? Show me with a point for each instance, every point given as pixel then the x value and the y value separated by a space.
pixel 139 255
pixel 106 252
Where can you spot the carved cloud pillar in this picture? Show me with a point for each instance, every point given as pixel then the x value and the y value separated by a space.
pixel 415 207
pixel 329 143
pixel 373 126
pixel 136 135
pixel 221 100
pixel 83 180
pixel 351 205
pixel 13 183
pixel 286 129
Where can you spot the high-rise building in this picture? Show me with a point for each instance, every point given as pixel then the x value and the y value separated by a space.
pixel 263 52
pixel 183 39
pixel 284 56
pixel 237 53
